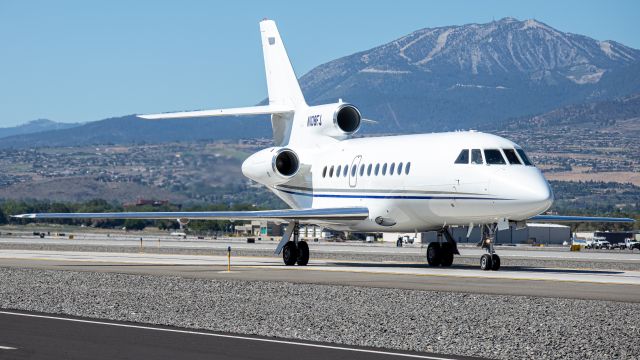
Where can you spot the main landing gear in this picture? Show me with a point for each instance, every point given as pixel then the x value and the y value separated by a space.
pixel 491 260
pixel 294 251
pixel 441 253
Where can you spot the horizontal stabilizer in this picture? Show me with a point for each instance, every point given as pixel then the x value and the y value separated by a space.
pixel 304 215
pixel 252 110
pixel 579 219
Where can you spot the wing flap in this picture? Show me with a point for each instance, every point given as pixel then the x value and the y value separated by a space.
pixel 306 215
pixel 251 110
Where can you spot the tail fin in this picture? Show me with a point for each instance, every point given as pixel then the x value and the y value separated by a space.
pixel 285 95
pixel 281 80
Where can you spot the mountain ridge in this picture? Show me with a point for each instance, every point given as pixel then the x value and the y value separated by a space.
pixel 433 79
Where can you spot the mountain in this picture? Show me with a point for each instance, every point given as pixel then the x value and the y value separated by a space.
pixel 434 79
pixel 35 126
pixel 464 76
pixel 599 114
pixel 133 130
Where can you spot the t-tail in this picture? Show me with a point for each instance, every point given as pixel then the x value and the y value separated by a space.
pixel 294 123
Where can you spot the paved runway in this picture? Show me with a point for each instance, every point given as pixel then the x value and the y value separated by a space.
pixel 567 283
pixel 39 336
pixel 163 241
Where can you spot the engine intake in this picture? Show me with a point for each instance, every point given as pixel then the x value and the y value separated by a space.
pixel 286 163
pixel 347 118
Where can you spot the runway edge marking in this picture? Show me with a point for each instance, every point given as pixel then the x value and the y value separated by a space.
pixel 192 332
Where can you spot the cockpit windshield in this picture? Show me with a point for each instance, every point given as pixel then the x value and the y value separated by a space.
pixel 512 157
pixel 494 157
pixel 524 157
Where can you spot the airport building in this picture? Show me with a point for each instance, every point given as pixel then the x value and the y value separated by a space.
pixel 534 233
pixel 259 228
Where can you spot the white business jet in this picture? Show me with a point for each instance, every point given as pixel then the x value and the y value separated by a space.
pixel 405 183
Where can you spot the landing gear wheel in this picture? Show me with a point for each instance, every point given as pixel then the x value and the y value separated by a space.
pixel 303 253
pixel 446 255
pixel 495 262
pixel 485 262
pixel 289 253
pixel 434 254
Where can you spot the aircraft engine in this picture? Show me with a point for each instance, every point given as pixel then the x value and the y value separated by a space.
pixel 271 166
pixel 336 120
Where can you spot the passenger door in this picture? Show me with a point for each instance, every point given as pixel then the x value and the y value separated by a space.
pixel 353 171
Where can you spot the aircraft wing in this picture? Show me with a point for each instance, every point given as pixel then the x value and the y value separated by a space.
pixel 578 219
pixel 304 215
pixel 251 110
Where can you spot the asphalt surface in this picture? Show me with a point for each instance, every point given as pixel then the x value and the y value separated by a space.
pixel 587 284
pixel 25 335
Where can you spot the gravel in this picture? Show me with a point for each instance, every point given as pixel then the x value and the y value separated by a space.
pixel 353 256
pixel 503 327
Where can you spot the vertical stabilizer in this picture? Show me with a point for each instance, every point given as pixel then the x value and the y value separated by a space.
pixel 282 83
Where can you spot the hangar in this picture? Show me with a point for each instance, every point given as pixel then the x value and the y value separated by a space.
pixel 534 233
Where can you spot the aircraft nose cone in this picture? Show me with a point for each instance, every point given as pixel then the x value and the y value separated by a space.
pixel 540 193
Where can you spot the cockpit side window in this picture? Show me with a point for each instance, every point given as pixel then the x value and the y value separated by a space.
pixel 476 156
pixel 512 157
pixel 463 158
pixel 524 157
pixel 494 157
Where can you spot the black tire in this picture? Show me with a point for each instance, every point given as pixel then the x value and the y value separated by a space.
pixel 446 255
pixel 495 262
pixel 399 243
pixel 434 254
pixel 290 253
pixel 485 262
pixel 303 253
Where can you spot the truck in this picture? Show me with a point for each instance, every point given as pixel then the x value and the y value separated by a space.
pixel 598 242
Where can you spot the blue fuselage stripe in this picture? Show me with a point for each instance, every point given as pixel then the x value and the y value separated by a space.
pixel 406 197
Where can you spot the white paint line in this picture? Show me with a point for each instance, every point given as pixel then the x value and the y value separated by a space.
pixel 274 341
pixel 7 348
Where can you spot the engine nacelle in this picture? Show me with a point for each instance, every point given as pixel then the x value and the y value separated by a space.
pixel 336 120
pixel 271 166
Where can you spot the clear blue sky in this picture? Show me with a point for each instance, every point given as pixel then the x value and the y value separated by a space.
pixel 87 60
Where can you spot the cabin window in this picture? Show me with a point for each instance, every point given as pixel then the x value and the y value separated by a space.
pixel 361 169
pixel 406 169
pixel 384 169
pixel 369 169
pixel 377 169
pixel 512 157
pixel 463 158
pixel 324 172
pixel 400 169
pixel 476 156
pixel 331 171
pixel 353 170
pixel 392 168
pixel 338 171
pixel 524 157
pixel 345 170
pixel 494 157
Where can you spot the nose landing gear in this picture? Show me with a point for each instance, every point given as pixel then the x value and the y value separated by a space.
pixel 491 260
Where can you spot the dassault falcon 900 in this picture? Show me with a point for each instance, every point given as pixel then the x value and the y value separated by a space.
pixel 405 183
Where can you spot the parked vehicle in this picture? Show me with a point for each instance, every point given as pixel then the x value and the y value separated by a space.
pixel 631 244
pixel 598 242
pixel 626 244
